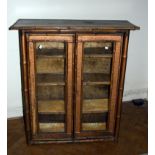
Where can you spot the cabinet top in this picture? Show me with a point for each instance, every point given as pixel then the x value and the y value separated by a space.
pixel 65 24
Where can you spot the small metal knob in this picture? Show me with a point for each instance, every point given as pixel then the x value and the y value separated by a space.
pixel 40 47
pixel 106 47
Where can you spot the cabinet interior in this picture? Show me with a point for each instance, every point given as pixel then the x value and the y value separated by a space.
pixel 51 83
pixel 51 77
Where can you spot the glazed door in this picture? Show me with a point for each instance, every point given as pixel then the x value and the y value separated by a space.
pixel 50 86
pixel 97 79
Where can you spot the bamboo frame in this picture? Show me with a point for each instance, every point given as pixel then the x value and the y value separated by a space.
pixel 69 88
pixel 121 84
pixel 24 76
pixel 51 38
pixel 32 88
pixel 101 37
pixel 79 58
pixel 114 86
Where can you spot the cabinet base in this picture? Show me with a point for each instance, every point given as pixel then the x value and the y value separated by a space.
pixel 72 141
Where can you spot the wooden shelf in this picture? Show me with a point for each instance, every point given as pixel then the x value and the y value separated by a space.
pixel 51 84
pixel 98 56
pixel 50 79
pixel 94 117
pixel 96 78
pixel 52 106
pixel 96 91
pixel 51 117
pixel 51 92
pixel 50 64
pixel 45 79
pixel 96 83
pixel 97 65
pixel 93 126
pixel 95 106
pixel 54 56
pixel 52 127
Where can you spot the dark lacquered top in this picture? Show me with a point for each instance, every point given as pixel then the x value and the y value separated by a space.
pixel 51 24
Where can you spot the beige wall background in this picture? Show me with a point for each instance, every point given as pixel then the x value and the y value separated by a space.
pixel 136 82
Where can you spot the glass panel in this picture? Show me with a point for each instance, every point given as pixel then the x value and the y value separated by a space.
pixel 98 48
pixel 50 48
pixel 97 65
pixel 50 86
pixel 96 85
pixel 95 91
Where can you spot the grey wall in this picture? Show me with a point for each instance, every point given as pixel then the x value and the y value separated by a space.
pixel 132 10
